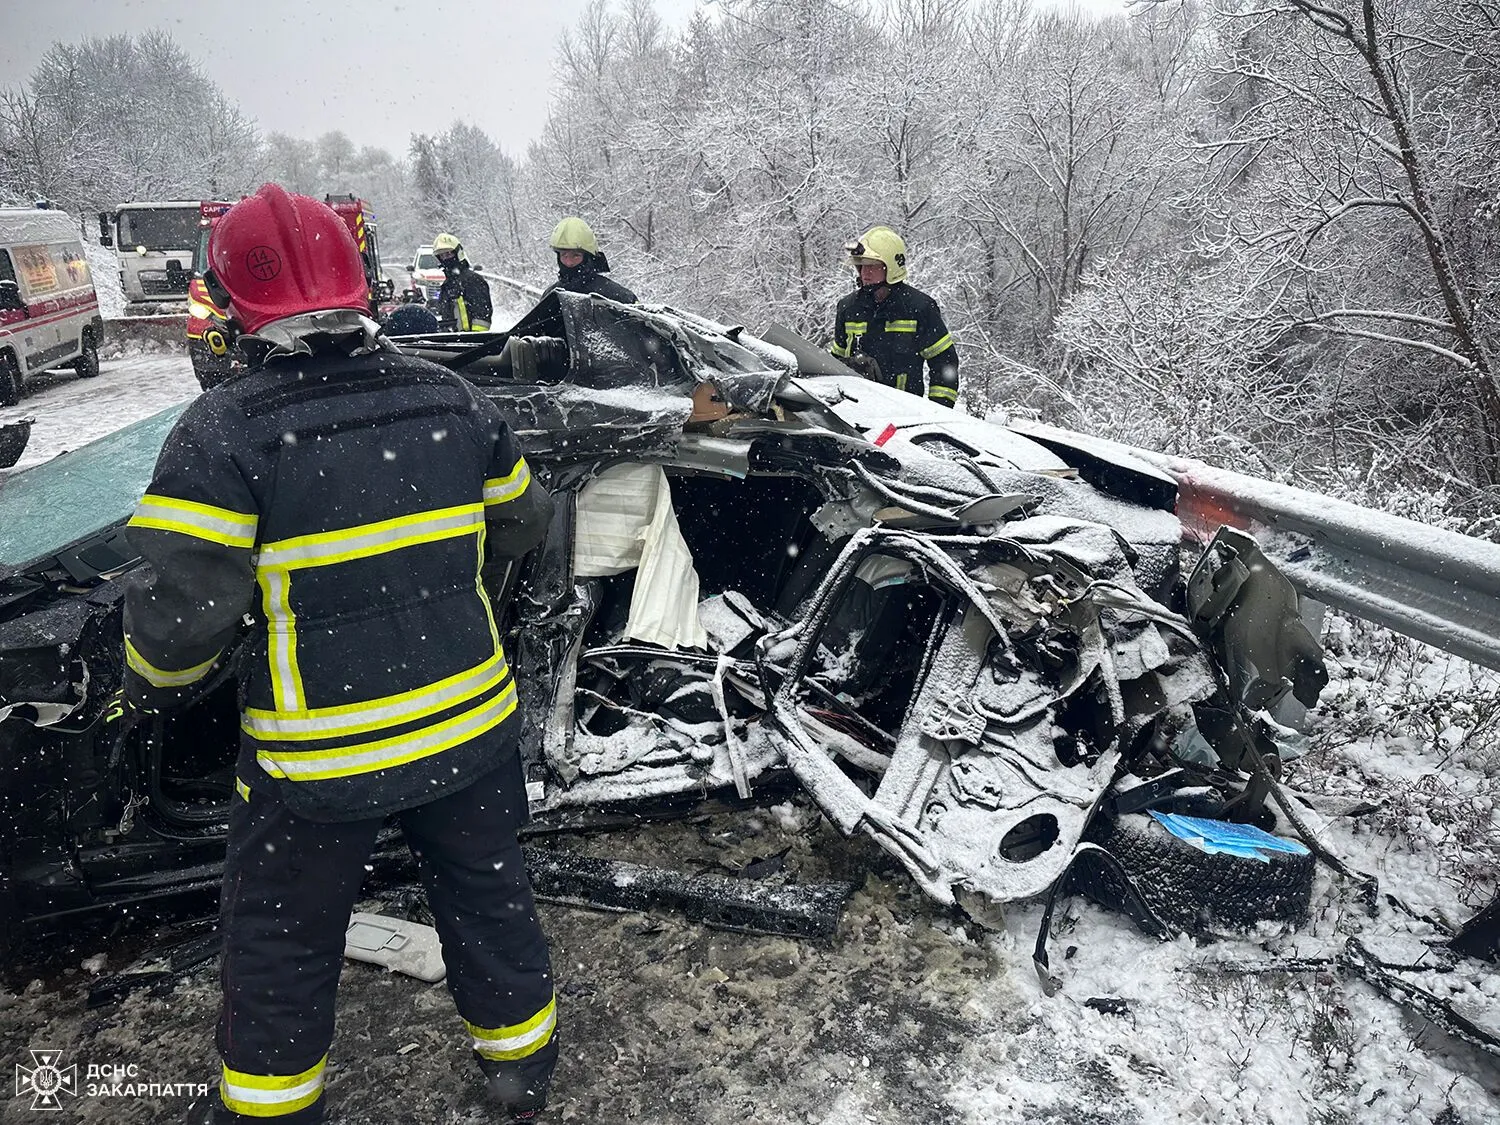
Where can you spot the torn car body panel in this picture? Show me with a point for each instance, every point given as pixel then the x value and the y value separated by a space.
pixel 959 640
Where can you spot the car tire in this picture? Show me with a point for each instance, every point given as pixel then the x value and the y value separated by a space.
pixel 87 364
pixel 11 383
pixel 1188 890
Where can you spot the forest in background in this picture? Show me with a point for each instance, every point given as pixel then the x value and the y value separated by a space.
pixel 1265 236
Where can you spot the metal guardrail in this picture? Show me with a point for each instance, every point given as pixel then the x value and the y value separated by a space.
pixel 1434 585
pixel 519 286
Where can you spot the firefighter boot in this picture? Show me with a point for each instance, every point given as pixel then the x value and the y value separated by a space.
pixel 519 1088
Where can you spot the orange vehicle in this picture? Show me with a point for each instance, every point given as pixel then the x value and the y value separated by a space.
pixel 210 340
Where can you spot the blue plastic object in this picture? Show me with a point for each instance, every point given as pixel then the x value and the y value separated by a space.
pixel 1219 837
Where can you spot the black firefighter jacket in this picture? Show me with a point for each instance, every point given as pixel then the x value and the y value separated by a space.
pixel 900 333
pixel 348 504
pixel 464 303
pixel 586 279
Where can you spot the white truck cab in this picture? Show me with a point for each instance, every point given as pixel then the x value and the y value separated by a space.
pixel 49 312
pixel 156 241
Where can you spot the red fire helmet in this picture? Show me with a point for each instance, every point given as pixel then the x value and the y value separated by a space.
pixel 277 254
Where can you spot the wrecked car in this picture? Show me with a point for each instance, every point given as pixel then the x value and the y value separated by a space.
pixel 977 647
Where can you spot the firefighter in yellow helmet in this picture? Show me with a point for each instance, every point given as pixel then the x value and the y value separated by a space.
pixel 886 330
pixel 463 302
pixel 581 265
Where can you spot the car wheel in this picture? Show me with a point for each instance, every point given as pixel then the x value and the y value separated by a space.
pixel 1186 888
pixel 10 380
pixel 87 364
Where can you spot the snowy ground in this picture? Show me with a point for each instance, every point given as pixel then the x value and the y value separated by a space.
pixel 913 1013
pixel 70 412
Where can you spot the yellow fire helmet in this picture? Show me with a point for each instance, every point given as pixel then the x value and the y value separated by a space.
pixel 574 234
pixel 446 243
pixel 883 245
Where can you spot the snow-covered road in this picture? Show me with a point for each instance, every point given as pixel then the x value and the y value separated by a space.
pixel 70 412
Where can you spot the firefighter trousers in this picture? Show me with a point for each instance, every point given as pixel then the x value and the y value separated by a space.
pixel 290 885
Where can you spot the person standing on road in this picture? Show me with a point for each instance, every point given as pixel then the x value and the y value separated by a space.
pixel 463 302
pixel 581 265
pixel 886 330
pixel 358 506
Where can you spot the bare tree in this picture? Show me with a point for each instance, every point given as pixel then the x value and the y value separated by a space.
pixel 1351 130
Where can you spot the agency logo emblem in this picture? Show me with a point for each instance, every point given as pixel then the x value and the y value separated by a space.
pixel 46 1080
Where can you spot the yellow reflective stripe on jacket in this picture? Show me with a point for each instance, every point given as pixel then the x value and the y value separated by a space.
pixel 942 394
pixel 242 789
pixel 840 350
pixel 365 540
pixel 259 1095
pixel 938 348
pixel 484 597
pixel 500 490
pixel 461 313
pixel 901 326
pixel 901 381
pixel 856 327
pixel 518 1040
pixel 347 761
pixel 161 677
pixel 387 711
pixel 281 637
pixel 202 521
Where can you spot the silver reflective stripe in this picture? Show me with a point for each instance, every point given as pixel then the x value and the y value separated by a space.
pixel 314 765
pixel 372 539
pixel 500 489
pixel 202 521
pixel 497 1045
pixel 160 677
pixel 359 717
pixel 281 635
pixel 271 1097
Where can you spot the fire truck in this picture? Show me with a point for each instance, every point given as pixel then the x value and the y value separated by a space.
pixel 210 339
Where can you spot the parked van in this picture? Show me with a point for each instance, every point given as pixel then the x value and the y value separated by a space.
pixel 49 312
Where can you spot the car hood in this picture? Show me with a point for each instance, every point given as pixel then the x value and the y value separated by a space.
pixel 47 508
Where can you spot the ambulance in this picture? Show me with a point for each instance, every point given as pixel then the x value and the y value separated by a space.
pixel 49 312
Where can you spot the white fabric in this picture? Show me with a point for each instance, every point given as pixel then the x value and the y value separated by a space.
pixel 626 521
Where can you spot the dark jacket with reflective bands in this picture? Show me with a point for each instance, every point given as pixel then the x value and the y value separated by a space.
pixel 348 504
pixel 464 303
pixel 899 333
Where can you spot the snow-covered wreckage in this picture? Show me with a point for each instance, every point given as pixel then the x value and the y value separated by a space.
pixel 981 650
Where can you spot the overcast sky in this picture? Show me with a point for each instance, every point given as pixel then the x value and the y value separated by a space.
pixel 378 70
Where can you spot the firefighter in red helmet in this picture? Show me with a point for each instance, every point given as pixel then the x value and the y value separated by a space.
pixel 311 495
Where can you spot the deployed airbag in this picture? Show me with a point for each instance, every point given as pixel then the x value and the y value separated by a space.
pixel 626 521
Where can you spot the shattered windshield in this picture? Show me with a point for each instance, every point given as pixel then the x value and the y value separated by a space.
pixel 44 509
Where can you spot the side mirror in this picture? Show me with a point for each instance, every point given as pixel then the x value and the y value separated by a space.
pixel 10 297
pixel 105 239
